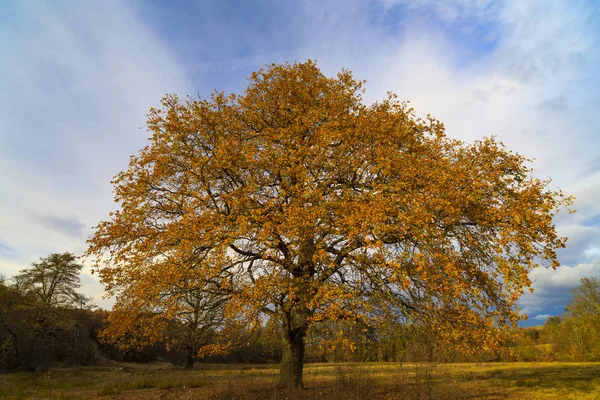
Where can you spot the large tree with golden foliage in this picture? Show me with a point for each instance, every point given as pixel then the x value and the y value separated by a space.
pixel 300 201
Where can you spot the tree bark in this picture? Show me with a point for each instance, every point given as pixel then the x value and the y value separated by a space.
pixel 189 361
pixel 292 360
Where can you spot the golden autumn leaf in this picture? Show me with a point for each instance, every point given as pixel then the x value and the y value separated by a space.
pixel 297 200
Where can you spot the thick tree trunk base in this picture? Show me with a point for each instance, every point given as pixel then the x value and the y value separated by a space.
pixel 189 362
pixel 292 360
pixel 290 373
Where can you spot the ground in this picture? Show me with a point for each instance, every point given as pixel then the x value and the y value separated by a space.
pixel 322 381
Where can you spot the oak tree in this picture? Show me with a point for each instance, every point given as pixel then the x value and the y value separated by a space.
pixel 304 203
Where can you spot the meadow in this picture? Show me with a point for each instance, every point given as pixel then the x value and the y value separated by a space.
pixel 322 381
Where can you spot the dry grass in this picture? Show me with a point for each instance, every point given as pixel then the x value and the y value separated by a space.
pixel 323 381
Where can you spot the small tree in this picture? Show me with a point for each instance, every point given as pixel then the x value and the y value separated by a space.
pixel 304 203
pixel 583 318
pixel 38 321
pixel 198 329
pixel 585 302
pixel 187 317
pixel 54 281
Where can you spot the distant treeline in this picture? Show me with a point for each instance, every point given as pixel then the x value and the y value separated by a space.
pixel 45 323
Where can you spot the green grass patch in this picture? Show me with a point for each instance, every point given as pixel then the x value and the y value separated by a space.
pixel 330 381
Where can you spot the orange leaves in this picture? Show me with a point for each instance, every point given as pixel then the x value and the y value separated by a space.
pixel 297 192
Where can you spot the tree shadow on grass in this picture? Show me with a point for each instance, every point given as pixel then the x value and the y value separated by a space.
pixel 560 376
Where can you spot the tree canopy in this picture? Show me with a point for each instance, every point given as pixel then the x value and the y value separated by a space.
pixel 43 317
pixel 54 281
pixel 299 201
pixel 586 300
pixel 186 315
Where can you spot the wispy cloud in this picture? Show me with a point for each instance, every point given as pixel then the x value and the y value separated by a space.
pixel 6 250
pixel 592 167
pixel 555 104
pixel 68 225
pixel 536 60
pixel 80 78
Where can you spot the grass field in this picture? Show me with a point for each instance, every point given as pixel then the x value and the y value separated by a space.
pixel 322 381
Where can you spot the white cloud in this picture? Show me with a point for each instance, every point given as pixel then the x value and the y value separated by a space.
pixel 532 90
pixel 552 288
pixel 78 85
pixel 540 52
pixel 542 317
pixel 77 82
pixel 582 241
pixel 592 251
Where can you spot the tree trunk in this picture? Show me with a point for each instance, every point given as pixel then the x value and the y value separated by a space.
pixel 292 360
pixel 189 361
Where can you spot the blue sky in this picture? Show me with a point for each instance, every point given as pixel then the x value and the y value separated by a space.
pixel 79 76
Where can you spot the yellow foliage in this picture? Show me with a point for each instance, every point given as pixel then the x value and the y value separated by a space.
pixel 298 200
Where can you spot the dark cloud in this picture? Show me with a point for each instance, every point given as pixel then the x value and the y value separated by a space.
pixel 580 240
pixel 552 289
pixel 68 225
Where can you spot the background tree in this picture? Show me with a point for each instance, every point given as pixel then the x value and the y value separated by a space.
pixel 196 330
pixel 304 203
pixel 42 317
pixel 585 302
pixel 187 316
pixel 54 281
pixel 583 319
